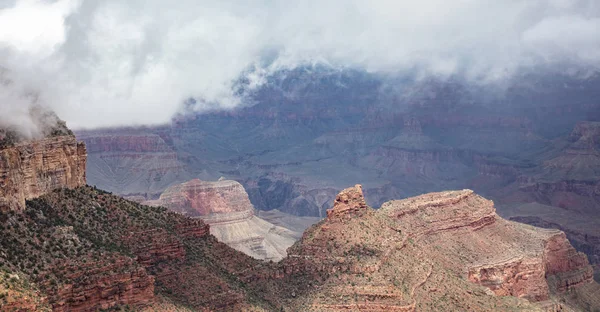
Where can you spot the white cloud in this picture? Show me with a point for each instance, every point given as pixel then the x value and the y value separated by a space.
pixel 114 62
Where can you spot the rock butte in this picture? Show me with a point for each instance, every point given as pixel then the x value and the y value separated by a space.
pixel 431 252
pixel 225 206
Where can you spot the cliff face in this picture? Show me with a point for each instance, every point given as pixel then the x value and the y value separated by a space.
pixel 564 192
pixel 213 201
pixel 32 168
pixel 435 247
pixel 225 206
pixel 101 285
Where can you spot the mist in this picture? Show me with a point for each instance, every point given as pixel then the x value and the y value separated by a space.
pixel 113 63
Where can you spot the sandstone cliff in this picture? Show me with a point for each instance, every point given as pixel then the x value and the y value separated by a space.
pixel 225 206
pixel 439 251
pixel 32 168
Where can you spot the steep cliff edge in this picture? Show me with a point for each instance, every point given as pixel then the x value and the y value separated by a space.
pixel 438 251
pixel 225 206
pixel 32 168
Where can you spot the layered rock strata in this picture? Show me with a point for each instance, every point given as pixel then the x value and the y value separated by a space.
pixel 134 163
pixel 447 250
pixel 225 206
pixel 100 285
pixel 32 168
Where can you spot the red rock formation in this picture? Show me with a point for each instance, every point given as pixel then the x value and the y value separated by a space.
pixel 349 202
pixel 519 277
pixel 192 228
pixel 31 169
pixel 101 285
pixel 214 201
pixel 225 206
pixel 566 267
pixel 559 266
pixel 429 214
pixel 154 246
pixel 413 248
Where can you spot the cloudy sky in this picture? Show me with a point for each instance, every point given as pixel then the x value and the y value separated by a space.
pixel 116 62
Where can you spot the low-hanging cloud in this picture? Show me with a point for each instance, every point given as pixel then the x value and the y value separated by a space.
pixel 113 62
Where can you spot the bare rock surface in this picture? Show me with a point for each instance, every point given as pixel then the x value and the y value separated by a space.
pixel 225 206
pixel 438 251
pixel 30 169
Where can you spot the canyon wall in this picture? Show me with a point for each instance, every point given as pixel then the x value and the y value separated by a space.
pixel 435 246
pixel 135 163
pixel 32 168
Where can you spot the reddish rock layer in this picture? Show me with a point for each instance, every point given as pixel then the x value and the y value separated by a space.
pixel 415 254
pixel 349 202
pixel 438 212
pixel 100 285
pixel 31 169
pixel 213 201
pixel 226 207
pixel 519 277
pixel 565 267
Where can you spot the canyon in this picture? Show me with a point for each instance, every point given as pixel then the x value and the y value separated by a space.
pixel 78 248
pixel 309 132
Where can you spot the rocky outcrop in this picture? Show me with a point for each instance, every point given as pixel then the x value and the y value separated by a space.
pixel 32 168
pixel 439 212
pixel 102 284
pixel 559 268
pixel 216 202
pixel 431 245
pixel 565 267
pixel 225 206
pixel 519 277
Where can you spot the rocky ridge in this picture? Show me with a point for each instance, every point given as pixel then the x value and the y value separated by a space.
pixel 88 250
pixel 438 248
pixel 422 253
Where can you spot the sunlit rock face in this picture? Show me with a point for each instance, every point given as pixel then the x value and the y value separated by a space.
pixel 32 168
pixel 412 254
pixel 225 206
